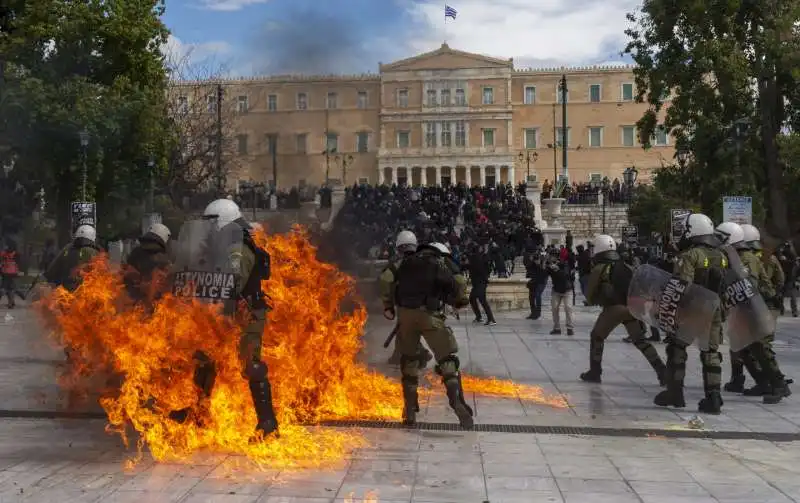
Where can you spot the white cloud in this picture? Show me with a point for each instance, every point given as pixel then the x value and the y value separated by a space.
pixel 186 56
pixel 533 32
pixel 228 5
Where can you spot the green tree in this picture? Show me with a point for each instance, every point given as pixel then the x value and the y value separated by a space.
pixel 730 68
pixel 95 66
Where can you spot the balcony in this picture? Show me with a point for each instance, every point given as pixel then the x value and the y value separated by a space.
pixel 444 151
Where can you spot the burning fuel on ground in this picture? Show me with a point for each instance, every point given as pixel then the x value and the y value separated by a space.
pixel 311 346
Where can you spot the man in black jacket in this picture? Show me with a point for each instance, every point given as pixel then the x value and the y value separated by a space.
pixel 563 283
pixel 479 275
pixel 584 268
pixel 537 281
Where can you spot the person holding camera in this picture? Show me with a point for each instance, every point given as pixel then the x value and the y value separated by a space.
pixel 563 282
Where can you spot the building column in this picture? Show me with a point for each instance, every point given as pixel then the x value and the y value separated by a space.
pixel 394 175
pixel 381 180
pixel 511 177
pixel 438 175
pixel 468 176
pixel 483 176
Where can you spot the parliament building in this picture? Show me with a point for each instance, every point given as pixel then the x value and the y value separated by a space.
pixel 441 117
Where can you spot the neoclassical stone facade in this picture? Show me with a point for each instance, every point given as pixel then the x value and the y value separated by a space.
pixel 441 117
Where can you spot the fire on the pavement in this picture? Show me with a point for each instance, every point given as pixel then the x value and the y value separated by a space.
pixel 310 345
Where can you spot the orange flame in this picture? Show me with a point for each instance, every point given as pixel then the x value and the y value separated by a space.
pixel 310 345
pixel 369 497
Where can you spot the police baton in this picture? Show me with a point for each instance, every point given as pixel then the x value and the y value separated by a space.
pixel 390 338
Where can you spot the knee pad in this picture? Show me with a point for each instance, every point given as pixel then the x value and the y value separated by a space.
pixel 256 371
pixel 449 359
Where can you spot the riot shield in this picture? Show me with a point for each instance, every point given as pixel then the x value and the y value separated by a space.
pixel 681 310
pixel 747 317
pixel 205 267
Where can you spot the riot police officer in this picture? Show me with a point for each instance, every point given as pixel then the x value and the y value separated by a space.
pixel 148 264
pixel 64 270
pixel 405 245
pixel 701 262
pixel 425 284
pixel 608 287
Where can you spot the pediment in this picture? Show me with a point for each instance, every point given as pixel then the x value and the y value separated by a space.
pixel 445 58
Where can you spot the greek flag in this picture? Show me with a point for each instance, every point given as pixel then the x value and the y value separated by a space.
pixel 450 12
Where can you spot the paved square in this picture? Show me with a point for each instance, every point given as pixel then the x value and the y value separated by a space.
pixel 44 460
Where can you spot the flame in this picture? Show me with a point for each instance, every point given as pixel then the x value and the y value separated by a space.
pixel 310 345
pixel 369 497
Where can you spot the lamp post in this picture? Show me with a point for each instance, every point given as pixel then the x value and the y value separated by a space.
pixel 562 88
pixel 527 157
pixel 346 160
pixel 741 128
pixel 601 187
pixel 629 176
pixel 84 137
pixel 328 153
pixel 682 155
pixel 151 196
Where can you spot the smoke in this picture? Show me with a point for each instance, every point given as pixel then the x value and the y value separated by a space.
pixel 307 39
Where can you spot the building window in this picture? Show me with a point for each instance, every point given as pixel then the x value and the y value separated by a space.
pixel 595 178
pixel 363 99
pixel 628 136
pixel 594 93
pixel 241 105
pixel 270 142
pixel 402 98
pixel 301 143
pixel 331 101
pixel 447 135
pixel 362 142
pixel 331 142
pixel 531 137
pixel 627 92
pixel 595 137
pixel 530 95
pixel 241 141
pixel 211 101
pixel 430 134
pixel 488 96
pixel 402 139
pixel 560 136
pixel 431 98
pixel 488 137
pixel 560 95
pixel 183 104
pixel 363 180
pixel 272 103
pixel 444 96
pixel 302 101
pixel 461 98
pixel 661 137
pixel 461 134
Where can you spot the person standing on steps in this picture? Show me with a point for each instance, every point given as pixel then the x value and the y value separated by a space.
pixel 608 287
pixel 479 275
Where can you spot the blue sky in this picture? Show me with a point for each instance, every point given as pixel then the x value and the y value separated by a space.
pixel 248 37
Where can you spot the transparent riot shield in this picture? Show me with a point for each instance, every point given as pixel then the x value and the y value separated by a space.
pixel 747 317
pixel 681 310
pixel 206 266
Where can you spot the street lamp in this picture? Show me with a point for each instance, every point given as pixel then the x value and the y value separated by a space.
pixel 528 156
pixel 629 176
pixel 84 137
pixel 601 187
pixel 151 195
pixel 346 159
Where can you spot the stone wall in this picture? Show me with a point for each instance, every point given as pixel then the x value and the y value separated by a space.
pixel 586 220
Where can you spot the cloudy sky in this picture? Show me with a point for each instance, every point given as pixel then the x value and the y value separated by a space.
pixel 247 37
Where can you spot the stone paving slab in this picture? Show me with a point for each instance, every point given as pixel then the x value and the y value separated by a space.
pixel 75 461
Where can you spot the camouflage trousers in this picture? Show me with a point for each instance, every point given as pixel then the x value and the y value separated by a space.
pixel 710 359
pixel 609 319
pixel 414 324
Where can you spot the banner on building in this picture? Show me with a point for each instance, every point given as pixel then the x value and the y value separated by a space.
pixel 83 213
pixel 678 222
pixel 737 209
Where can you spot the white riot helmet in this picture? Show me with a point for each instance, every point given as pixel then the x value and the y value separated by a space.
pixel 406 241
pixel 443 249
pixel 86 232
pixel 603 243
pixel 751 236
pixel 697 225
pixel 223 211
pixel 730 233
pixel 160 230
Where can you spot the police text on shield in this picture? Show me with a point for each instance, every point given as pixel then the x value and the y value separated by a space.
pixel 668 305
pixel 737 292
pixel 205 285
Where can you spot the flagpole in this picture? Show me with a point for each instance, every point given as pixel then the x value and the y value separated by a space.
pixel 445 23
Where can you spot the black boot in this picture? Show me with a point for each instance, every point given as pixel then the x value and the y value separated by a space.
pixel 671 397
pixel 455 395
pixel 410 401
pixel 261 392
pixel 778 391
pixel 661 372
pixel 735 385
pixel 711 404
pixel 594 373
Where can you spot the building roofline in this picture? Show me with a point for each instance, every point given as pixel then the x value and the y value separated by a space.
pixel 574 69
pixel 362 77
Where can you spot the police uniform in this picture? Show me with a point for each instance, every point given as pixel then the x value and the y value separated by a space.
pixel 704 265
pixel 64 270
pixel 425 283
pixel 387 283
pixel 602 291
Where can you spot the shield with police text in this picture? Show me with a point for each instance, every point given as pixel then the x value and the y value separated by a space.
pixel 679 309
pixel 205 265
pixel 747 317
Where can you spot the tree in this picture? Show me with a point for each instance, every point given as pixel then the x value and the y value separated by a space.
pixel 74 66
pixel 195 164
pixel 727 64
